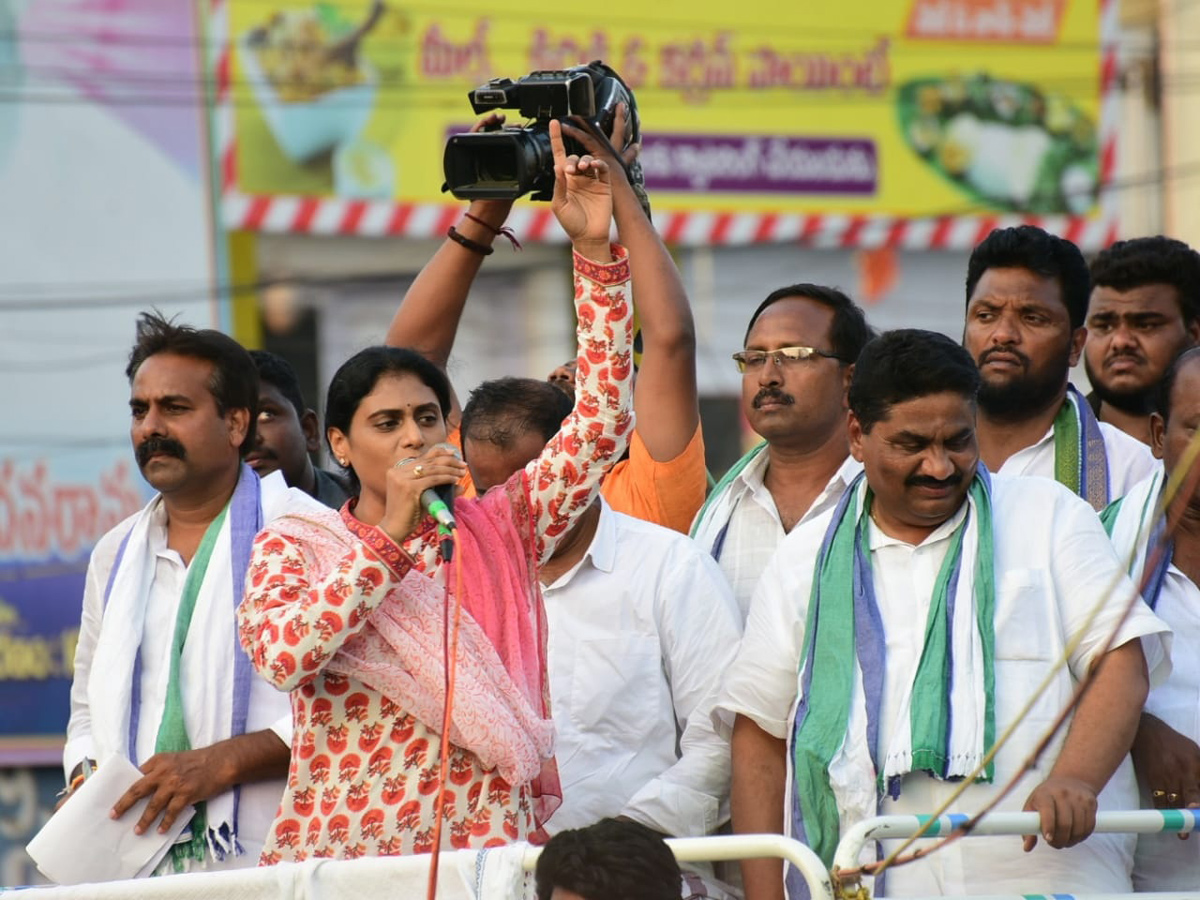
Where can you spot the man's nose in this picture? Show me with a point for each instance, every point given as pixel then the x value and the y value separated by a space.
pixel 1006 330
pixel 1123 337
pixel 937 464
pixel 770 372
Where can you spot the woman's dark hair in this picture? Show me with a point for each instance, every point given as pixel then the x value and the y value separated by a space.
pixel 612 859
pixel 1044 254
pixel 234 380
pixel 906 364
pixel 849 331
pixel 358 375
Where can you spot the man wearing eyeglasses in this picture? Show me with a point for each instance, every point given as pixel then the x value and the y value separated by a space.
pixel 799 354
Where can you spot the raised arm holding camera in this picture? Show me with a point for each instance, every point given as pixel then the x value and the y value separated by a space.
pixel 663 480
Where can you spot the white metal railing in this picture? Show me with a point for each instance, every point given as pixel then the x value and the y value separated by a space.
pixel 406 875
pixel 1140 821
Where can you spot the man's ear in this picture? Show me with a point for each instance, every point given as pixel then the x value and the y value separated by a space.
pixel 1158 435
pixel 312 431
pixel 1078 339
pixel 847 377
pixel 238 421
pixel 855 432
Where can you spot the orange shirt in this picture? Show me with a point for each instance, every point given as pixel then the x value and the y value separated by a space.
pixel 667 493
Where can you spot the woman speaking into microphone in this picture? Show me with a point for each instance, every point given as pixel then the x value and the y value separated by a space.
pixel 350 610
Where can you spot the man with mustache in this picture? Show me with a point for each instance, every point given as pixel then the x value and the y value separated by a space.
pixel 1142 314
pixel 159 677
pixel 287 433
pixel 1027 294
pixel 799 353
pixel 890 644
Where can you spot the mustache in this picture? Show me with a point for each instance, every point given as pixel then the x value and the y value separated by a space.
pixel 772 394
pixel 1125 354
pixel 153 446
pixel 1003 351
pixel 926 481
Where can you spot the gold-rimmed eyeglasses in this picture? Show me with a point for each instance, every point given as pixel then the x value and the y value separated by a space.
pixel 755 359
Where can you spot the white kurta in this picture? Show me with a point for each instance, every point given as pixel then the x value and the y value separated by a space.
pixel 755 528
pixel 1129 460
pixel 1052 562
pixel 268 708
pixel 1163 862
pixel 640 631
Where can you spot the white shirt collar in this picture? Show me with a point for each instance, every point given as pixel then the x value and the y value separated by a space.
pixel 601 552
pixel 752 477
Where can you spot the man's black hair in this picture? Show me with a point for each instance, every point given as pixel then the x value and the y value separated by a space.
pixel 1028 247
pixel 1152 260
pixel 1167 385
pixel 234 380
pixel 278 372
pixel 849 332
pixel 503 410
pixel 611 860
pixel 906 364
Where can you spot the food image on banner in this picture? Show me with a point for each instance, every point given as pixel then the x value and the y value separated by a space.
pixel 1006 144
pixel 909 110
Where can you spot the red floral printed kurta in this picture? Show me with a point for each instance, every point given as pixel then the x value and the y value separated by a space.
pixel 363 772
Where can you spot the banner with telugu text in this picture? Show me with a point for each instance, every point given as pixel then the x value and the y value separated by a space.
pixel 911 108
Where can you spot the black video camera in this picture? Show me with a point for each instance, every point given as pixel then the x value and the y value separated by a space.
pixel 507 163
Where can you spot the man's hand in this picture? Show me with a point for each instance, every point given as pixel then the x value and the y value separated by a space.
pixel 582 199
pixel 1067 807
pixel 1168 764
pixel 172 781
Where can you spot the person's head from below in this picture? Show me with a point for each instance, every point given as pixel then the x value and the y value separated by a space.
pixel 287 431
pixel 614 859
pixel 193 399
pixel 384 405
pixel 563 377
pixel 912 426
pixel 1143 313
pixel 799 351
pixel 1177 416
pixel 506 424
pixel 1027 295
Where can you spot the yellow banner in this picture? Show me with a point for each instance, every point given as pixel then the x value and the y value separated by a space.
pixel 897 107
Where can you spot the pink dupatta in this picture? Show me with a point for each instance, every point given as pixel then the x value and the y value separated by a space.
pixel 501 704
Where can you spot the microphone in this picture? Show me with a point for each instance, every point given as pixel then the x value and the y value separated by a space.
pixel 439 501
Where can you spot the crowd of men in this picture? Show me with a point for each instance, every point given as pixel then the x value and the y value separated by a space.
pixel 934 545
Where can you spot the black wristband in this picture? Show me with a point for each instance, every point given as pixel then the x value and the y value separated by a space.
pixel 473 246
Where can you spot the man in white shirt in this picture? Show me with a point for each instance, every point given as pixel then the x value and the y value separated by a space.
pixel 1143 312
pixel 641 625
pixel 159 677
pixel 1027 296
pixel 1165 753
pixel 938 597
pixel 799 352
